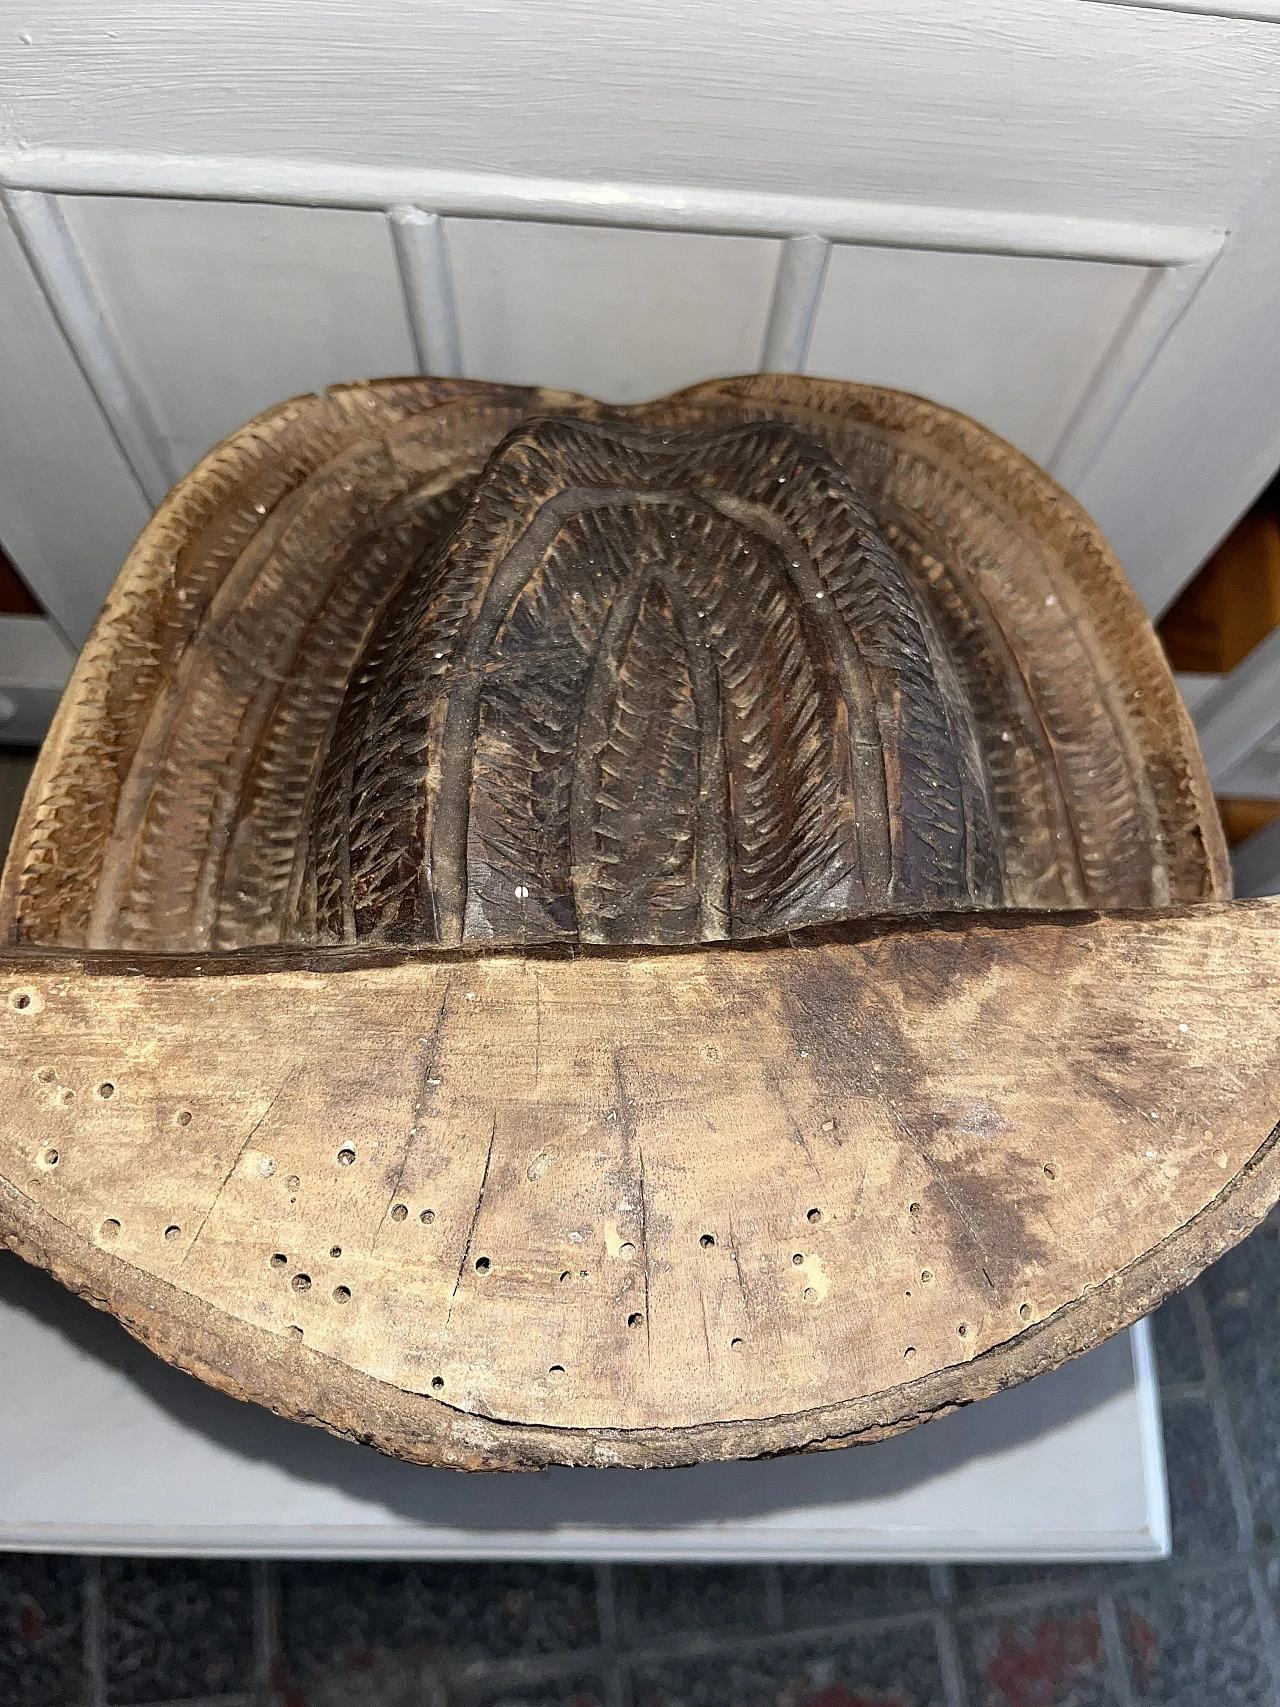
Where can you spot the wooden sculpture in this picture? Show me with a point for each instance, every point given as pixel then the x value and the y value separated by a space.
pixel 549 933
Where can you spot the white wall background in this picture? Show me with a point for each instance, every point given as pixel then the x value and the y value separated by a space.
pixel 1061 218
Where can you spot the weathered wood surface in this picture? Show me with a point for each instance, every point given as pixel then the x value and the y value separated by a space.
pixel 770 651
pixel 645 1207
pixel 646 705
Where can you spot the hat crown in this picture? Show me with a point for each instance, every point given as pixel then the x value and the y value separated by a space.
pixel 665 687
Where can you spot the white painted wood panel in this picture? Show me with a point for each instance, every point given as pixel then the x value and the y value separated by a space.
pixel 69 505
pixel 1201 436
pixel 1058 107
pixel 225 308
pixel 1256 11
pixel 623 315
pixel 1011 340
pixel 34 665
pixel 1126 135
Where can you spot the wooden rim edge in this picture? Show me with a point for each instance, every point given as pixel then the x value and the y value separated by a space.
pixel 249 1363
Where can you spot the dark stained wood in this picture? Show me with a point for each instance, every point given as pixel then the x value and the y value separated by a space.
pixel 431 661
pixel 545 933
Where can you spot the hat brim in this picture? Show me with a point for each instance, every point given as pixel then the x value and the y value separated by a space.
pixel 645 1207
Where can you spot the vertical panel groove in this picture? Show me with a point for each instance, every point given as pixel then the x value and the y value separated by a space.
pixel 802 267
pixel 69 289
pixel 422 256
pixel 1124 365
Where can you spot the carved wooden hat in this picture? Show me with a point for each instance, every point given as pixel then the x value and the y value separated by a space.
pixel 547 933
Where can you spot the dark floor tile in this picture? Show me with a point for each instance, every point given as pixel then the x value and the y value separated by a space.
pixel 658 1601
pixel 836 1594
pixel 348 1613
pixel 342 1614
pixel 976 1583
pixel 176 1628
pixel 585 1690
pixel 1195 1642
pixel 1051 1656
pixel 897 1667
pixel 1204 1522
pixel 1177 1346
pixel 41 1640
pixel 1241 1292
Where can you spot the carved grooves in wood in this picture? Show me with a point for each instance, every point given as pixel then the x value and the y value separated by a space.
pixel 1189 852
pixel 803 643
pixel 184 798
pixel 1101 813
pixel 207 834
pixel 120 681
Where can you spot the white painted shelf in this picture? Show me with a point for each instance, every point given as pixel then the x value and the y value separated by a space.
pixel 106 1449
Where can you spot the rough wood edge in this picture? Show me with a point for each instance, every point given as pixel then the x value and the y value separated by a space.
pixel 252 1363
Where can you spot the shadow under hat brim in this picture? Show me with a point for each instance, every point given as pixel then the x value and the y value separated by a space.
pixel 504 1209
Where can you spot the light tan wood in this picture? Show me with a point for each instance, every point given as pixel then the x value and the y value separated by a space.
pixel 645 1207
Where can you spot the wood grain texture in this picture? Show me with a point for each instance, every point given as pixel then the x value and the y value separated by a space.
pixel 635 1207
pixel 480 784
pixel 870 96
pixel 347 689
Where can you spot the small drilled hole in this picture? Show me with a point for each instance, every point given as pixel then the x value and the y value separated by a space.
pixel 437 1382
pixel 427 1217
pixel 109 1230
pixel 46 1075
pixel 566 1277
pixel 66 1095
pixel 556 1371
pixel 626 1251
pixel 1050 1172
pixel 963 1330
pixel 735 1345
pixel 183 1117
pixel 20 999
pixel 635 1319
pixel 106 1090
pixel 50 1158
pixel 926 1274
pixel 293 1182
pixel 707 1240
pixel 798 1259
pixel 809 1295
pixel 335 1250
pixel 913 1209
pixel 301 1283
pixel 346 1155
pixel 173 1231
pixel 482 1265
pixel 279 1260
pixel 399 1211
pixel 814 1215
pixel 342 1294
pixel 295 1333
pixel 1024 1310
pixel 910 1351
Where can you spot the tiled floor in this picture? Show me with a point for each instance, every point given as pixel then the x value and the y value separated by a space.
pixel 1199 1631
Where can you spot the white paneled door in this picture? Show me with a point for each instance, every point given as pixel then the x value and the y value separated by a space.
pixel 1063 219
